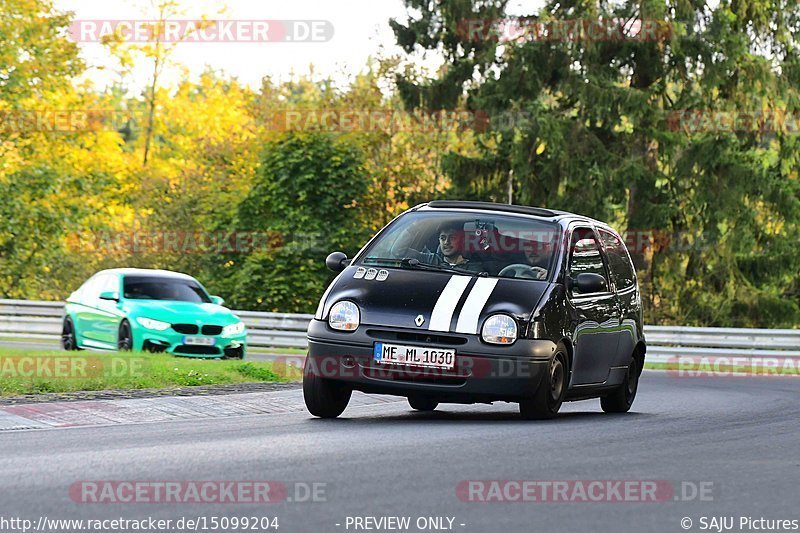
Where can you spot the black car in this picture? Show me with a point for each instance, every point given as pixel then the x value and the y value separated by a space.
pixel 468 302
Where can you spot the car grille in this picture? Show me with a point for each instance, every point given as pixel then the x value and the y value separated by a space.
pixel 212 330
pixel 416 337
pixel 186 329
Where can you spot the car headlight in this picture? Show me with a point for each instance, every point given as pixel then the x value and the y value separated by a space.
pixel 344 316
pixel 499 329
pixel 150 323
pixel 231 330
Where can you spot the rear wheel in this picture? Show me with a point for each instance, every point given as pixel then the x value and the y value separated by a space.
pixel 550 394
pixel 69 338
pixel 422 403
pixel 621 400
pixel 125 337
pixel 324 398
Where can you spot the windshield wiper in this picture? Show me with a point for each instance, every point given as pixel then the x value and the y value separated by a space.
pixel 375 260
pixel 416 263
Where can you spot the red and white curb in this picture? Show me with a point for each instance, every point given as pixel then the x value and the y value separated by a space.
pixel 161 409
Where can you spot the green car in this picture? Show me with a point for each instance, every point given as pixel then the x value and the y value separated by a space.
pixel 151 310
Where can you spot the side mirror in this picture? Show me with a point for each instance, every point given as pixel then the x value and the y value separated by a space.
pixel 337 261
pixel 217 300
pixel 109 295
pixel 589 282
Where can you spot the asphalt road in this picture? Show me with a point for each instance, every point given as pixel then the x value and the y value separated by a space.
pixel 739 435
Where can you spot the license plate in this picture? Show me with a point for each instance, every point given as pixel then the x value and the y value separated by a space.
pixel 199 341
pixel 397 354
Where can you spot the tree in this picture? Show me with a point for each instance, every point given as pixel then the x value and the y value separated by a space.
pixel 35 55
pixel 307 197
pixel 589 125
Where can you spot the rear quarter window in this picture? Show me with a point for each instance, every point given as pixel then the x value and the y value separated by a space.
pixel 619 261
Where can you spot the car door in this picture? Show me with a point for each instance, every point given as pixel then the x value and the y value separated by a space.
pixel 623 277
pixel 86 316
pixel 596 316
pixel 108 313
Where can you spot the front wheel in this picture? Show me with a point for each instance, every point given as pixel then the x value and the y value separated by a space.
pixel 69 338
pixel 125 337
pixel 324 398
pixel 621 400
pixel 550 394
pixel 422 403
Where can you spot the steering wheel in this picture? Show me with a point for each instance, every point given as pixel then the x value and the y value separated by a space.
pixel 521 270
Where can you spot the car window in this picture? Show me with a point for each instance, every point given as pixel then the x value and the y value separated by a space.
pixel 163 288
pixel 585 256
pixel 500 245
pixel 618 260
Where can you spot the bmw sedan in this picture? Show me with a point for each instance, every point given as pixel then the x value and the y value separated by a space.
pixel 151 310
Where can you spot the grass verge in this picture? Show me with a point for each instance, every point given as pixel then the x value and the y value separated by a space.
pixel 24 371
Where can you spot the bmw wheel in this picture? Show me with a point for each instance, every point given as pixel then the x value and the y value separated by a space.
pixel 125 337
pixel 69 338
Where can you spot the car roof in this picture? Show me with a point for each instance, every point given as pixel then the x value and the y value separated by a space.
pixel 150 272
pixel 540 212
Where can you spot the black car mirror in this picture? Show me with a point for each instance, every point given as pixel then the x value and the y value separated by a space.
pixel 109 295
pixel 337 261
pixel 589 282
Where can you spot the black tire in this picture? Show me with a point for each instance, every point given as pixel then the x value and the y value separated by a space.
pixel 422 403
pixel 621 400
pixel 125 337
pixel 324 398
pixel 550 395
pixel 69 337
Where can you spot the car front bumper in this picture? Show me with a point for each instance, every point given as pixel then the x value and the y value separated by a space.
pixel 482 372
pixel 170 341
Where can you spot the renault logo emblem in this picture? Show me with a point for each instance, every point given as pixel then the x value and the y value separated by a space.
pixel 419 320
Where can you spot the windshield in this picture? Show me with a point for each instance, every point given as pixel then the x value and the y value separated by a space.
pixel 494 245
pixel 155 288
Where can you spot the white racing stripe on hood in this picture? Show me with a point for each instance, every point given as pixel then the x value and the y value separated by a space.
pixel 471 312
pixel 446 304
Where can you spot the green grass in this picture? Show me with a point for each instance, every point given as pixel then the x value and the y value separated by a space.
pixel 24 371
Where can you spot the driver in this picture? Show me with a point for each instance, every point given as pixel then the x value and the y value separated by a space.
pixel 535 259
pixel 535 266
pixel 450 251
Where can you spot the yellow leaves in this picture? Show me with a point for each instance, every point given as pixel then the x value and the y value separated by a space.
pixel 541 148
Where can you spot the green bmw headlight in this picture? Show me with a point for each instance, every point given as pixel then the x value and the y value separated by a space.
pixel 153 324
pixel 231 330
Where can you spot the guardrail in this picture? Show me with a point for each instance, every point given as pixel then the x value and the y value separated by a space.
pixel 26 319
